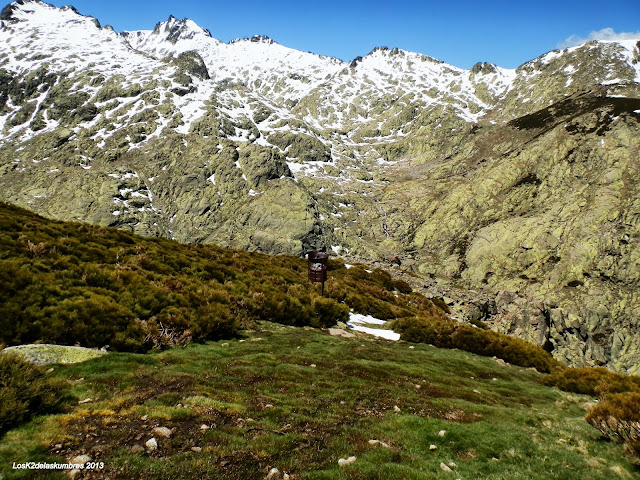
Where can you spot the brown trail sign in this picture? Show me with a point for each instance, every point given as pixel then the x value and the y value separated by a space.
pixel 318 268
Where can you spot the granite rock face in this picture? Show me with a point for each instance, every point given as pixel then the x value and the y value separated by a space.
pixel 522 184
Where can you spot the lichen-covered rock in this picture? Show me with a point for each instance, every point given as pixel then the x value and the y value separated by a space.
pixel 303 147
pixel 43 354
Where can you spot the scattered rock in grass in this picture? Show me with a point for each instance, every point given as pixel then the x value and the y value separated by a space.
pixel 396 409
pixel 453 464
pixel 86 400
pixel 137 448
pixel 224 344
pixel 257 339
pixel 476 391
pixel 268 406
pixel 432 447
pixel 144 418
pixel 73 473
pixel 196 449
pixel 162 432
pixel 313 365
pixel 418 386
pixel 501 362
pixel 274 474
pixel 376 443
pixel 445 467
pixel 283 430
pixel 80 459
pixel 204 427
pixel 343 462
pixel 411 347
pixel 241 341
pixel 58 446
pixel 339 332
pixel 151 444
pixel 442 433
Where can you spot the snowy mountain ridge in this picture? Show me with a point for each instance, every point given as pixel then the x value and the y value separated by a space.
pixel 520 180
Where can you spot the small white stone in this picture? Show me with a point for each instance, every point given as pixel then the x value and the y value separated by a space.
pixel 162 432
pixel 273 474
pixel 396 408
pixel 196 449
pixel 445 468
pixel 151 444
pixel 313 365
pixel 375 443
pixel 86 400
pixel 81 459
pixel 411 347
pixel 204 427
pixel 74 473
pixel 442 433
pixel 224 344
pixel 453 464
pixel 144 418
pixel 348 461
pixel 432 447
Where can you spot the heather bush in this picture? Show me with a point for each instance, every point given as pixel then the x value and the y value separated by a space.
pixel 401 286
pixel 70 283
pixel 445 333
pixel 592 381
pixel 328 312
pixel 25 391
pixel 617 417
pixel 422 330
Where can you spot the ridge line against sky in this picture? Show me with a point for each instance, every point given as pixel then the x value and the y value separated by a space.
pixel 459 33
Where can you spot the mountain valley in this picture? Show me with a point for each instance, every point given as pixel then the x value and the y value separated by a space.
pixel 519 186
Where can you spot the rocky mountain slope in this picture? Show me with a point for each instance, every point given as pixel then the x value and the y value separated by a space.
pixel 522 184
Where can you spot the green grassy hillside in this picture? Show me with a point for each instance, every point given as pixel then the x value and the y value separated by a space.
pixel 298 399
pixel 252 387
pixel 70 283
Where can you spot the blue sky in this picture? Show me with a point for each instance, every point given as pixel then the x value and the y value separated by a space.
pixel 507 33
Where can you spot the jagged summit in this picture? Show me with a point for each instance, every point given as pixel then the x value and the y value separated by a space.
pixel 472 175
pixel 174 29
pixel 254 39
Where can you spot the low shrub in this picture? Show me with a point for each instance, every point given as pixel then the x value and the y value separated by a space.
pixel 401 286
pixel 70 283
pixel 617 417
pixel 449 334
pixel 421 330
pixel 328 312
pixel 26 391
pixel 595 381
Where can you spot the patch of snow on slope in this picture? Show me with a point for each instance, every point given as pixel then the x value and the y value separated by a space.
pixel 356 319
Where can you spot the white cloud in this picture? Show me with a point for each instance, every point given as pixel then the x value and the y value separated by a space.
pixel 605 34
